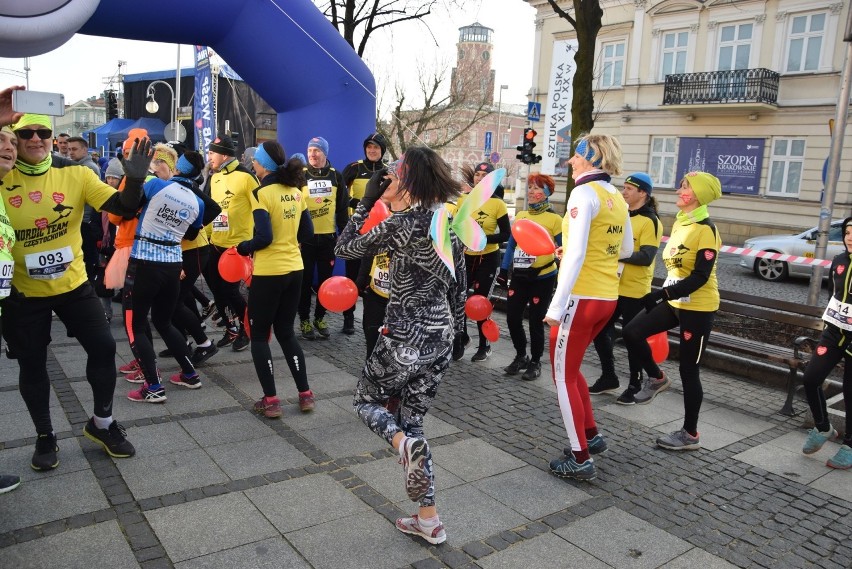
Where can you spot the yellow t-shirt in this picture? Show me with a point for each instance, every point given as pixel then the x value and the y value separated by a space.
pixel 550 221
pixel 598 277
pixel 380 275
pixel 487 217
pixel 285 205
pixel 231 188
pixel 46 212
pixel 636 280
pixel 7 241
pixel 320 194
pixel 679 258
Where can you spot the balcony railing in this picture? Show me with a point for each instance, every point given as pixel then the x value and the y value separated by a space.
pixel 737 86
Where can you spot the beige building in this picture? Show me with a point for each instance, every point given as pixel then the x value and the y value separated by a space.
pixel 80 117
pixel 745 87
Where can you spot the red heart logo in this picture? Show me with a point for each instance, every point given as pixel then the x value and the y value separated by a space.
pixel 574 212
pixel 41 222
pixel 15 201
pixel 58 198
pixel 840 269
pixel 609 203
pixel 535 300
pixel 35 196
pixel 511 292
pixel 821 350
pixel 687 335
pixel 672 251
pixel 709 255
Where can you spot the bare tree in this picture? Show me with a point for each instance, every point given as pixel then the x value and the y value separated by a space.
pixel 363 17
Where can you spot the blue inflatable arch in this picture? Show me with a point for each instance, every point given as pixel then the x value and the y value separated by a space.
pixel 285 49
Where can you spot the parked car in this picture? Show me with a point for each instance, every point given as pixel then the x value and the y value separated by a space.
pixel 802 245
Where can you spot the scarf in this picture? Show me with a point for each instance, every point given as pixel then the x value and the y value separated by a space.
pixel 698 214
pixel 539 207
pixel 34 169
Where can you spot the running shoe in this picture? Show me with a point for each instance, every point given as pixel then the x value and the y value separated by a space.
pixel 322 328
pixel 45 457
pixel 519 363
pixel 604 384
pixel 679 440
pixel 241 343
pixel 628 397
pixel 481 354
pixel 651 388
pixel 148 394
pixel 842 460
pixel 533 371
pixel 817 438
pixel 113 440
pixel 596 445
pixel 567 467
pixel 414 462
pixel 269 407
pixel 137 376
pixel 307 330
pixel 193 382
pixel 348 325
pixel 306 402
pixel 201 354
pixel 412 526
pixel 129 367
pixel 230 336
pixel 208 310
pixel 9 483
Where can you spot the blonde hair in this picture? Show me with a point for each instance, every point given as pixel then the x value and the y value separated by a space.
pixel 606 152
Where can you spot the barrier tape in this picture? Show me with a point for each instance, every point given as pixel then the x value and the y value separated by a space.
pixel 773 256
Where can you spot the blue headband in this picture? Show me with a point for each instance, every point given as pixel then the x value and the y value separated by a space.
pixel 262 158
pixel 184 166
pixel 585 150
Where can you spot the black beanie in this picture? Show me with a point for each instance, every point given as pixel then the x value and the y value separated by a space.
pixel 376 138
pixel 223 146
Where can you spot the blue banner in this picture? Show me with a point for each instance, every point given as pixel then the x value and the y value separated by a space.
pixel 202 113
pixel 735 161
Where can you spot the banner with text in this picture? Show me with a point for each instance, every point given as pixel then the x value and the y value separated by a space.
pixel 735 161
pixel 203 113
pixel 560 91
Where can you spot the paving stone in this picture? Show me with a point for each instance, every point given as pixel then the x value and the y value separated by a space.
pixel 149 476
pixel 64 550
pixel 531 492
pixel 272 553
pixel 547 550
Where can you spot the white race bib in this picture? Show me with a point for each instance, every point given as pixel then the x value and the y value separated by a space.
pixel 320 188
pixel 672 281
pixel 521 260
pixel 6 270
pixel 839 314
pixel 220 222
pixel 48 265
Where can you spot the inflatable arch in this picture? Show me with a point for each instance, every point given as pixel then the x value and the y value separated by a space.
pixel 285 49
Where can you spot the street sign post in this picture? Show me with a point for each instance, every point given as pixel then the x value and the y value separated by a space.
pixel 487 142
pixel 533 111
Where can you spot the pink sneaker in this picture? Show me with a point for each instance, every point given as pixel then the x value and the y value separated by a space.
pixel 411 526
pixel 148 394
pixel 269 407
pixel 306 402
pixel 180 379
pixel 135 377
pixel 130 367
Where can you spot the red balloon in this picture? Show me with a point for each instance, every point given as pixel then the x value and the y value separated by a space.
pixel 232 267
pixel 248 269
pixel 338 294
pixel 246 323
pixel 378 214
pixel 491 330
pixel 533 238
pixel 478 307
pixel 659 344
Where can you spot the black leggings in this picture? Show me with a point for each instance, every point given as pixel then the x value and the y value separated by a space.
pixel 373 318
pixel 536 294
pixel 481 270
pixel 225 294
pixel 26 328
pixel 353 267
pixel 818 369
pixel 272 306
pixel 627 308
pixel 695 328
pixel 317 253
pixel 187 319
pixel 153 287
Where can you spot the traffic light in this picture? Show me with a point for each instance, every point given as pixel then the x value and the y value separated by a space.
pixel 526 149
pixel 111 104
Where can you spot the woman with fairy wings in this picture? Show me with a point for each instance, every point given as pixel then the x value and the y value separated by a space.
pixel 425 312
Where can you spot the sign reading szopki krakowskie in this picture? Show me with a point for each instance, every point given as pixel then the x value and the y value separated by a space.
pixel 736 162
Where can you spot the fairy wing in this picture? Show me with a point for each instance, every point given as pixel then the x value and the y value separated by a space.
pixel 439 231
pixel 463 224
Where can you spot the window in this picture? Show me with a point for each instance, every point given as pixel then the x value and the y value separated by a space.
pixel 785 168
pixel 612 64
pixel 673 58
pixel 506 143
pixel 472 142
pixel 663 161
pixel 735 46
pixel 805 42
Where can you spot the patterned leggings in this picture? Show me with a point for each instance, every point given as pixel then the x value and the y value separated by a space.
pixel 410 369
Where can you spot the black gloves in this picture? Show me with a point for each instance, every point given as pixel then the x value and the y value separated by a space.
pixel 137 164
pixel 375 188
pixel 244 248
pixel 503 278
pixel 459 344
pixel 653 298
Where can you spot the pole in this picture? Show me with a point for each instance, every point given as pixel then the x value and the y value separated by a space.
pixel 833 171
pixel 498 144
pixel 177 95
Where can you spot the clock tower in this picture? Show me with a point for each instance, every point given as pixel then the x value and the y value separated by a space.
pixel 472 76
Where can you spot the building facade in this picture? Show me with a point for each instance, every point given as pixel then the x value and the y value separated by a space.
pixel 80 117
pixel 744 89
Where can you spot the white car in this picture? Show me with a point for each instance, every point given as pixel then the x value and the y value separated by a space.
pixel 802 245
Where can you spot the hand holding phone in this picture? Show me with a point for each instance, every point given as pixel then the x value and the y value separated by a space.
pixel 7 114
pixel 38 102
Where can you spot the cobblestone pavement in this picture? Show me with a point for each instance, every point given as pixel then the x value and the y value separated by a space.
pixel 214 485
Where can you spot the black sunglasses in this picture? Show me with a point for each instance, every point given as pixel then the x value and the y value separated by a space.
pixel 27 134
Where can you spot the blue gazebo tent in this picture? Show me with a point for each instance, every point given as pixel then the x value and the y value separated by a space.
pixel 102 132
pixel 154 126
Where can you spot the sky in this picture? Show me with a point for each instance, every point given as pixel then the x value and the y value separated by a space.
pixel 396 54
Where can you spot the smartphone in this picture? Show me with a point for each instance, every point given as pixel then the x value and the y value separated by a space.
pixel 38 102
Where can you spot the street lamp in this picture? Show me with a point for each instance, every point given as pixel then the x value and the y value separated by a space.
pixel 152 107
pixel 499 116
